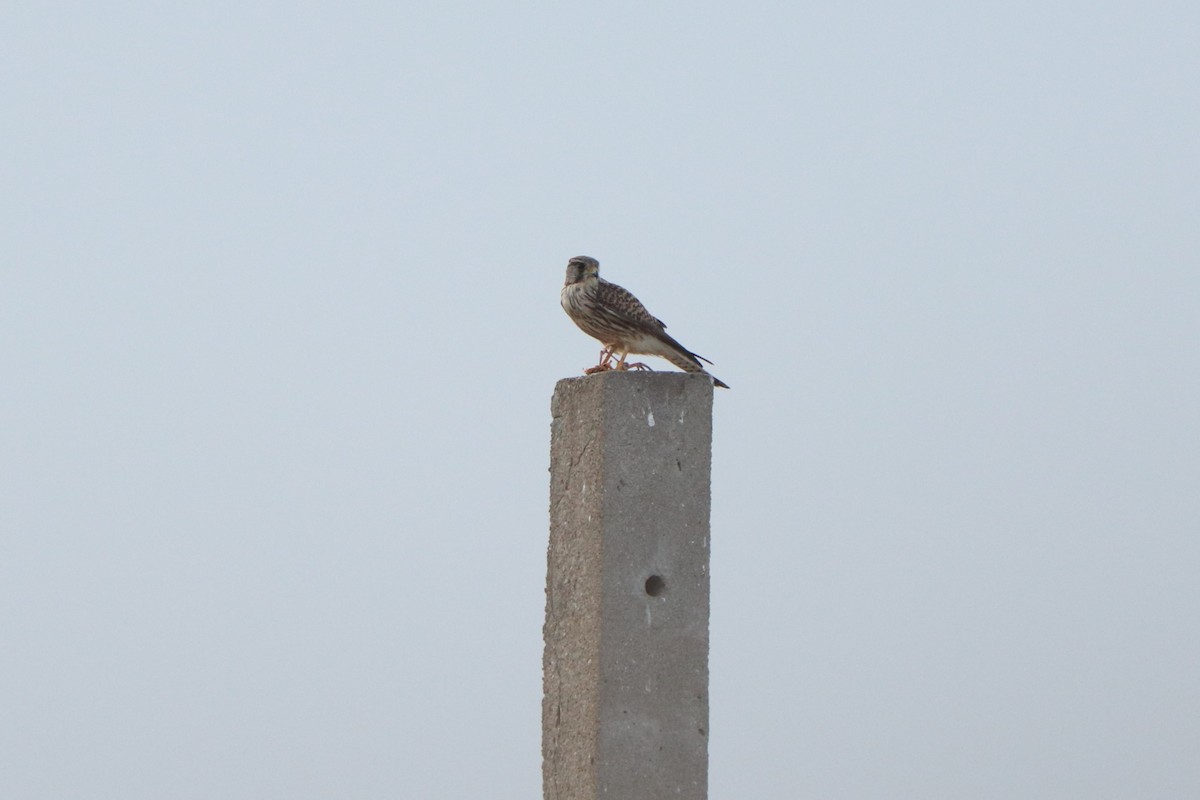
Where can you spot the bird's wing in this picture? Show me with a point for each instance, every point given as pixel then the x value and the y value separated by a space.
pixel 666 338
pixel 623 302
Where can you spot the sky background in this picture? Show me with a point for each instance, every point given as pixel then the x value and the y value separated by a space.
pixel 279 328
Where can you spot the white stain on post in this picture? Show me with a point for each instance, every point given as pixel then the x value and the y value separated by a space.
pixel 650 419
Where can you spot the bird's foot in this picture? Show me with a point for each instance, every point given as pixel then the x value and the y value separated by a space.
pixel 639 365
pixel 605 364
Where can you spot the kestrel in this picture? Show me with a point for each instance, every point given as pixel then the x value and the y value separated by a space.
pixel 611 314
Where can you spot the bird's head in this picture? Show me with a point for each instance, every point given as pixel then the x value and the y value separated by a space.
pixel 580 268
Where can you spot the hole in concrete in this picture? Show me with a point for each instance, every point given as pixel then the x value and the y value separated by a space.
pixel 655 585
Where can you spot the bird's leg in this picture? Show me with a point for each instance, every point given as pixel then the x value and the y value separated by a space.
pixel 605 362
pixel 622 366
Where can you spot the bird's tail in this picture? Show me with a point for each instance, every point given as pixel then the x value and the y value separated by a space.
pixel 693 365
pixel 685 359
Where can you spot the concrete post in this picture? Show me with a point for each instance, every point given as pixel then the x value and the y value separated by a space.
pixel 625 669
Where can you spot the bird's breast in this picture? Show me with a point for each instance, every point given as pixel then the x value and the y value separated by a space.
pixel 575 300
pixel 579 301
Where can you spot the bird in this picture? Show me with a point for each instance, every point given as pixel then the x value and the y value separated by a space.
pixel 613 315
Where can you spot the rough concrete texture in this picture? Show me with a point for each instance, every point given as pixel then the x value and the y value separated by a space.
pixel 625 670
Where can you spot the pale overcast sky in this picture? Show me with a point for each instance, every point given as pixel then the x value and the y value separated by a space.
pixel 280 325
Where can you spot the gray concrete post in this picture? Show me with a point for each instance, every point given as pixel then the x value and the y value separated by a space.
pixel 625 668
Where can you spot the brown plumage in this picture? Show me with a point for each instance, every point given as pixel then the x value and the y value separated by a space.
pixel 611 314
